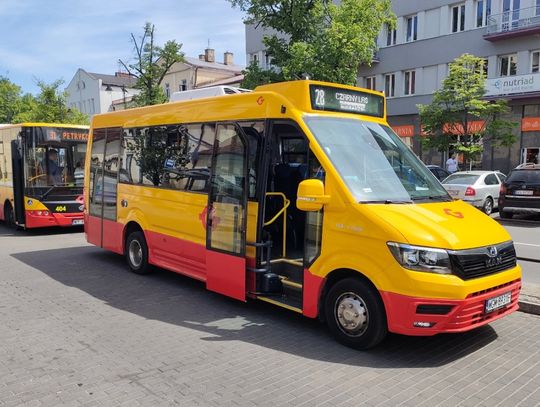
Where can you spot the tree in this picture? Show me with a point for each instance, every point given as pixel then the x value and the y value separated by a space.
pixel 10 100
pixel 49 106
pixel 317 38
pixel 460 117
pixel 151 64
pixel 255 76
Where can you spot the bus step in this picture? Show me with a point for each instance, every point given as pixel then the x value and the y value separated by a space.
pixel 292 270
pixel 283 301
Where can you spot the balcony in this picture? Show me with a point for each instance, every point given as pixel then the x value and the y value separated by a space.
pixel 515 23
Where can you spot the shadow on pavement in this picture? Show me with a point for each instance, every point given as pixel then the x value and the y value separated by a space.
pixel 14 232
pixel 179 300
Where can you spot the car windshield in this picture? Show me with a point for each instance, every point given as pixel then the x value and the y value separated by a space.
pixel 373 162
pixel 528 176
pixel 461 179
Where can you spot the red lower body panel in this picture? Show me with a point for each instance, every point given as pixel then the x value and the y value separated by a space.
pixel 33 220
pixel 462 315
pixel 92 228
pixel 311 294
pixel 226 274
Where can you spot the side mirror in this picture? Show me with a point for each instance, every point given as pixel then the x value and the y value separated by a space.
pixel 310 196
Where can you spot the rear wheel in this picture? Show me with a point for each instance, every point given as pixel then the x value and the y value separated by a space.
pixel 505 215
pixel 137 253
pixel 355 314
pixel 487 208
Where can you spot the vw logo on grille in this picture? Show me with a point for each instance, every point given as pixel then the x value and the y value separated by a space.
pixel 492 251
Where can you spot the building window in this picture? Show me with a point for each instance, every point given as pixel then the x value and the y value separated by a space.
pixel 483 11
pixel 167 90
pixel 485 67
pixel 412 28
pixel 390 85
pixel 390 36
pixel 254 59
pixel 535 66
pixel 508 65
pixel 410 82
pixel 183 85
pixel 370 83
pixel 458 18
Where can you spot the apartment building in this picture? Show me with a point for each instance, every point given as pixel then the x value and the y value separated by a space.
pixel 413 59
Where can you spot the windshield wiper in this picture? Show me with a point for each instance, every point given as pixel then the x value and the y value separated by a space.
pixel 388 201
pixel 444 198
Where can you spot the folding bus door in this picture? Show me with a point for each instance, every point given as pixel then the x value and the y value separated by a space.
pixel 102 228
pixel 226 214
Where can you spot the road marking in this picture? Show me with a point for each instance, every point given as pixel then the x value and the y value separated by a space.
pixel 528 244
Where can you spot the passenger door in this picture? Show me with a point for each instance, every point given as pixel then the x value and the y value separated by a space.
pixel 226 214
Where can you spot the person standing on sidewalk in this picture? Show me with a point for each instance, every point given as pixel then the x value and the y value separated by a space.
pixel 452 164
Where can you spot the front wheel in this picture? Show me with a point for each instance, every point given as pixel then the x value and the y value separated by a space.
pixel 355 314
pixel 487 208
pixel 137 253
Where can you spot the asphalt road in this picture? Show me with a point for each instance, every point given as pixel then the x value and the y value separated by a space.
pixel 526 235
pixel 78 329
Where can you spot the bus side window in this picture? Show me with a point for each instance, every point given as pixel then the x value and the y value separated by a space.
pixel 254 132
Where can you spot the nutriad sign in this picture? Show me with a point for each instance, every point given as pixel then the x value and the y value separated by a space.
pixel 513 84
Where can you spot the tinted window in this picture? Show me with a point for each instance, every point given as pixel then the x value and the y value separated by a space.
pixel 528 176
pixel 461 179
pixel 491 179
pixel 175 157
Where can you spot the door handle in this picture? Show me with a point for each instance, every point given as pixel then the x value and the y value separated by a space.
pixel 124 203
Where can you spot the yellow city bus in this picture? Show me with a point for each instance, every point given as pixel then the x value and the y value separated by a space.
pixel 298 194
pixel 41 174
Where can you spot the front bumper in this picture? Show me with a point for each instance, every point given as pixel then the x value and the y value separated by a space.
pixel 463 315
pixel 53 219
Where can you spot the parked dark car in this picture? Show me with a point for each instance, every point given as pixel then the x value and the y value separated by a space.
pixel 439 172
pixel 520 192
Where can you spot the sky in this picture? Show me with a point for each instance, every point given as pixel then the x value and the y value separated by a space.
pixel 50 39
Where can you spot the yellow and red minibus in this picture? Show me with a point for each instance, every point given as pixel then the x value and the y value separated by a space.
pixel 298 194
pixel 42 174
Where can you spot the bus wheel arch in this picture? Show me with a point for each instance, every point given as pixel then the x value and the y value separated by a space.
pixel 136 249
pixel 353 309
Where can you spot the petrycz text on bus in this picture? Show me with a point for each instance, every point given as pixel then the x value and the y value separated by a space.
pixel 301 195
pixel 42 174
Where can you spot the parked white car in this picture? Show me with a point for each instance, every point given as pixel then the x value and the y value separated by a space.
pixel 479 188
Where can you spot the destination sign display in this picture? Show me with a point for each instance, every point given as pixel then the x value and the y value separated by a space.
pixel 55 134
pixel 333 99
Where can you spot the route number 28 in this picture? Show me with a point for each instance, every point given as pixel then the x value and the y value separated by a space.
pixel 319 97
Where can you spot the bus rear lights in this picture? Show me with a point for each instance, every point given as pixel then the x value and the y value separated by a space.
pixel 423 324
pixel 470 191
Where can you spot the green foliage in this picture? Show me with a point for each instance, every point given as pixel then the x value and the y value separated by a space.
pixel 151 64
pixel 317 38
pixel 49 106
pixel 255 76
pixel 10 100
pixel 447 120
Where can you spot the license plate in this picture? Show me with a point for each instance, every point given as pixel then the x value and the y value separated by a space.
pixel 523 192
pixel 76 222
pixel 500 301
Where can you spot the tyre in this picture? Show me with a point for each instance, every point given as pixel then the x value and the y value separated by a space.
pixel 487 208
pixel 355 314
pixel 9 216
pixel 137 253
pixel 505 215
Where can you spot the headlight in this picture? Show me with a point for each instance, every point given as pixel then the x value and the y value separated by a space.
pixel 418 258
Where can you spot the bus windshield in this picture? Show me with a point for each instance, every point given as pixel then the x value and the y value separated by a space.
pixel 54 156
pixel 374 163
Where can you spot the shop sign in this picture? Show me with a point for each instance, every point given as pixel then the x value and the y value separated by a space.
pixel 513 84
pixel 530 124
pixel 404 131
